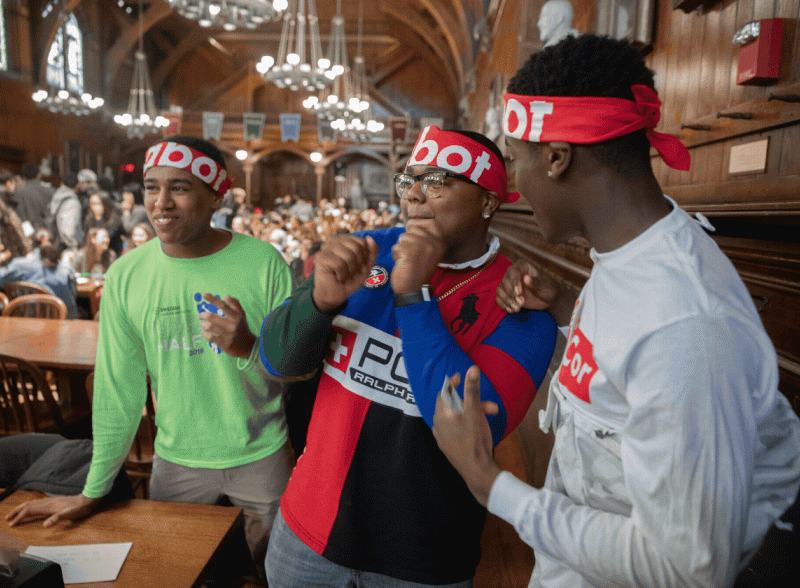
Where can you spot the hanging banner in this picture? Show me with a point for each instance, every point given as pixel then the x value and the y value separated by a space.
pixel 399 130
pixel 290 127
pixel 325 131
pixel 253 125
pixel 212 125
pixel 175 122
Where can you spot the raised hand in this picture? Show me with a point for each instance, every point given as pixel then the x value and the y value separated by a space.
pixel 53 509
pixel 525 286
pixel 465 438
pixel 229 332
pixel 341 266
pixel 416 255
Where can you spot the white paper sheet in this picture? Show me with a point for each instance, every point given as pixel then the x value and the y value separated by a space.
pixel 94 562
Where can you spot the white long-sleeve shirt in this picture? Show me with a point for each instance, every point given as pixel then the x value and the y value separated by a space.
pixel 674 449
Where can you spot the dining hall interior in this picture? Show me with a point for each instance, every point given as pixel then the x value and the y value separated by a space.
pixel 90 85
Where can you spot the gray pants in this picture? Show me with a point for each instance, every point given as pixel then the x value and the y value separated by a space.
pixel 255 487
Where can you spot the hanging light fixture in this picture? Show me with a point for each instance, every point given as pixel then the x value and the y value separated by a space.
pixel 56 97
pixel 293 68
pixel 141 117
pixel 360 125
pixel 229 14
pixel 331 103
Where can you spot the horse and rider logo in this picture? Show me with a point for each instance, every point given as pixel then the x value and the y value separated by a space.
pixel 468 315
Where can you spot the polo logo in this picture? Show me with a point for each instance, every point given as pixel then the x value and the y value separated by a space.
pixel 378 277
pixel 578 366
pixel 521 124
pixel 468 314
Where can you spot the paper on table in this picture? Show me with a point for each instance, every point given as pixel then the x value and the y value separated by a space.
pixel 95 562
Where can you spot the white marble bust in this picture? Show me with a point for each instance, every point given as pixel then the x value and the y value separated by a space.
pixel 555 22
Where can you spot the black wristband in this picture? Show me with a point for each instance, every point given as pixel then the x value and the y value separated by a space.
pixel 421 295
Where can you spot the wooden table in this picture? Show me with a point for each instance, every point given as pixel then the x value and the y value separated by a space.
pixel 68 347
pixel 174 544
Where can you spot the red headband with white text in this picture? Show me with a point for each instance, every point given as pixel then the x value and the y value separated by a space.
pixel 183 157
pixel 587 119
pixel 461 155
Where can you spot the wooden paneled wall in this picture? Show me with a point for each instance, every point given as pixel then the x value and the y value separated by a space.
pixel 757 216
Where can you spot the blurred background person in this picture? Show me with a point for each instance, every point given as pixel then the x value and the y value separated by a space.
pixel 140 234
pixel 42 267
pixel 87 185
pixel 102 215
pixel 65 212
pixel 95 256
pixel 32 198
pixel 133 211
pixel 13 242
pixel 239 224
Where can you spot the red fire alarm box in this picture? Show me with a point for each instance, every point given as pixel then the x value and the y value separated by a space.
pixel 759 62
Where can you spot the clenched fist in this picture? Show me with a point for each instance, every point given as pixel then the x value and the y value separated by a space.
pixel 341 267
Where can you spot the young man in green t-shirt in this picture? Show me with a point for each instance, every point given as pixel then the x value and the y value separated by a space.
pixel 221 429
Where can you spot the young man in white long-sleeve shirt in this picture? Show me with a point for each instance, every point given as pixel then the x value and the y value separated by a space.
pixel 674 450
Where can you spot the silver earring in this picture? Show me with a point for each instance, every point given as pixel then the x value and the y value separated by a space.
pixel 486 215
pixel 549 174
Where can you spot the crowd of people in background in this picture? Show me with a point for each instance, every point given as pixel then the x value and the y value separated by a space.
pixel 86 223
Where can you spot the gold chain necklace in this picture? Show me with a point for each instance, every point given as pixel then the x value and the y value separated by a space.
pixel 469 279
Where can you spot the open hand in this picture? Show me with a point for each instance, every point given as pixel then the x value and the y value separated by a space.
pixel 53 509
pixel 465 438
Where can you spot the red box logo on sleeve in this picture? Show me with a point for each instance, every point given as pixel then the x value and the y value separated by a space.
pixel 340 351
pixel 578 366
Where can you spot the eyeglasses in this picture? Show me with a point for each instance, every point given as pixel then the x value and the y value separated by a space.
pixel 432 183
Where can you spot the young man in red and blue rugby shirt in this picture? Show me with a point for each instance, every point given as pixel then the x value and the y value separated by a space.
pixel 387 315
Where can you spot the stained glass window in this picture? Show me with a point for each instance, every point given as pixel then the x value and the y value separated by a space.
pixel 69 75
pixel 3 42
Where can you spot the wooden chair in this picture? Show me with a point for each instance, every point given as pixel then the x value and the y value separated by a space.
pixel 27 403
pixel 36 306
pixel 16 289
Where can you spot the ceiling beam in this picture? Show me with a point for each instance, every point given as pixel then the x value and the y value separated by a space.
pixel 188 44
pixel 159 10
pixel 455 32
pixel 391 62
pixel 425 40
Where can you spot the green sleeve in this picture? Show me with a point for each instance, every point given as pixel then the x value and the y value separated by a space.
pixel 294 337
pixel 120 389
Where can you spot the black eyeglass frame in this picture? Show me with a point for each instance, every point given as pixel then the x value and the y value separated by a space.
pixel 418 178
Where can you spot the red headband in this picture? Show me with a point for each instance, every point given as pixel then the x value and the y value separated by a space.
pixel 183 157
pixel 584 120
pixel 460 154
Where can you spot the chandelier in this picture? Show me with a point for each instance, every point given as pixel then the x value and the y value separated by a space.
pixel 332 102
pixel 293 69
pixel 57 97
pixel 141 117
pixel 359 123
pixel 229 14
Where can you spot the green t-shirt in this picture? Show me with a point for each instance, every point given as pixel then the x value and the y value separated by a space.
pixel 209 413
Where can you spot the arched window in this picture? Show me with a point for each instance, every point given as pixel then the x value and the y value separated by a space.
pixel 69 75
pixel 3 40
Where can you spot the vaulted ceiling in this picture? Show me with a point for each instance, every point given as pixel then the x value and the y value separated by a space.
pixel 419 54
